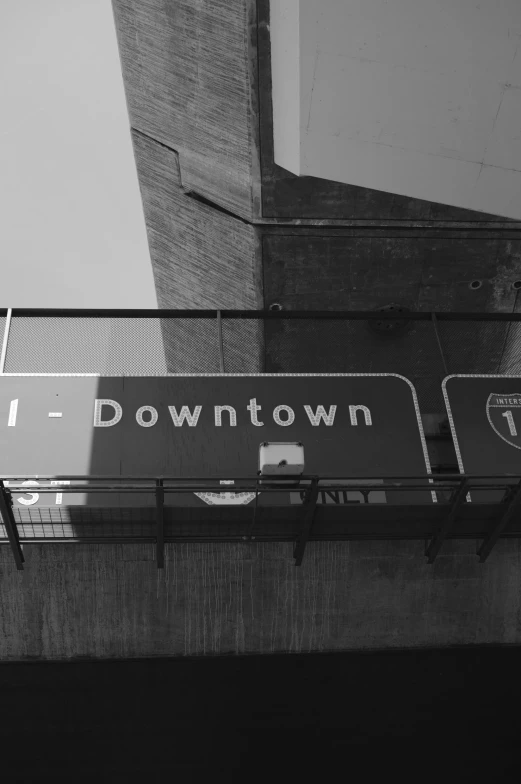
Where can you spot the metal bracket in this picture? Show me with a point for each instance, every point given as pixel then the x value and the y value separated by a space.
pixel 491 539
pixel 160 538
pixel 6 512
pixel 438 539
pixel 308 513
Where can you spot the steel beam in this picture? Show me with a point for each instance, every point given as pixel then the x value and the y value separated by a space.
pixel 308 513
pixel 491 539
pixel 423 315
pixel 438 539
pixel 160 539
pixel 6 513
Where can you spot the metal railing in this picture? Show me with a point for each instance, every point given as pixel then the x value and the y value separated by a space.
pixel 490 514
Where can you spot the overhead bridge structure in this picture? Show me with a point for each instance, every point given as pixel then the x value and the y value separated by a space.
pixel 423 346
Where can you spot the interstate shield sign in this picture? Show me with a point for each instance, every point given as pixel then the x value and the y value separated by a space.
pixel 485 418
pixel 504 416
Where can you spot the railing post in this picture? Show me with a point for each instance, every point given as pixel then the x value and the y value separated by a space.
pixel 249 536
pixel 308 513
pixel 6 513
pixel 438 539
pixel 160 536
pixel 491 539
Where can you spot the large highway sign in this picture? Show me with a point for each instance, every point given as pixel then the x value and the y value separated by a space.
pixel 351 425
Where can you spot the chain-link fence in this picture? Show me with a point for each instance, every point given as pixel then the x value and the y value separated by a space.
pixel 139 343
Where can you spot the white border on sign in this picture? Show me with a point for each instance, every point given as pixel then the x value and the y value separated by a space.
pixel 449 410
pixel 260 375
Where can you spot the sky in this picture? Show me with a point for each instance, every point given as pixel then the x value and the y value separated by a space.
pixel 72 229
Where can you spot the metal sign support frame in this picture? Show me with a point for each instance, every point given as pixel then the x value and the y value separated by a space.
pixel 308 513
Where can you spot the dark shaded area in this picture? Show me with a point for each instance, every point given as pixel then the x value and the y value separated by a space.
pixel 350 345
pixel 406 715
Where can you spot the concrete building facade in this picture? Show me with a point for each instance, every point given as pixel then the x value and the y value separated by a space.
pixel 230 228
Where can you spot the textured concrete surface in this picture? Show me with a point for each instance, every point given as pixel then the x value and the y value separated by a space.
pixel 109 601
pixel 189 69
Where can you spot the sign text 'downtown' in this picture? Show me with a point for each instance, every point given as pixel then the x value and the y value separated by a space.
pixel 352 425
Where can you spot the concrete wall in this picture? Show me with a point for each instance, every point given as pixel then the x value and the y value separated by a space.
pixel 202 258
pixel 189 75
pixel 110 601
pixel 408 97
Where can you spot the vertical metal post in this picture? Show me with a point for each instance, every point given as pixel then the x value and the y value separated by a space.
pixel 307 521
pixel 160 536
pixel 254 510
pixel 438 538
pixel 6 513
pixel 220 338
pixel 6 338
pixel 491 539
